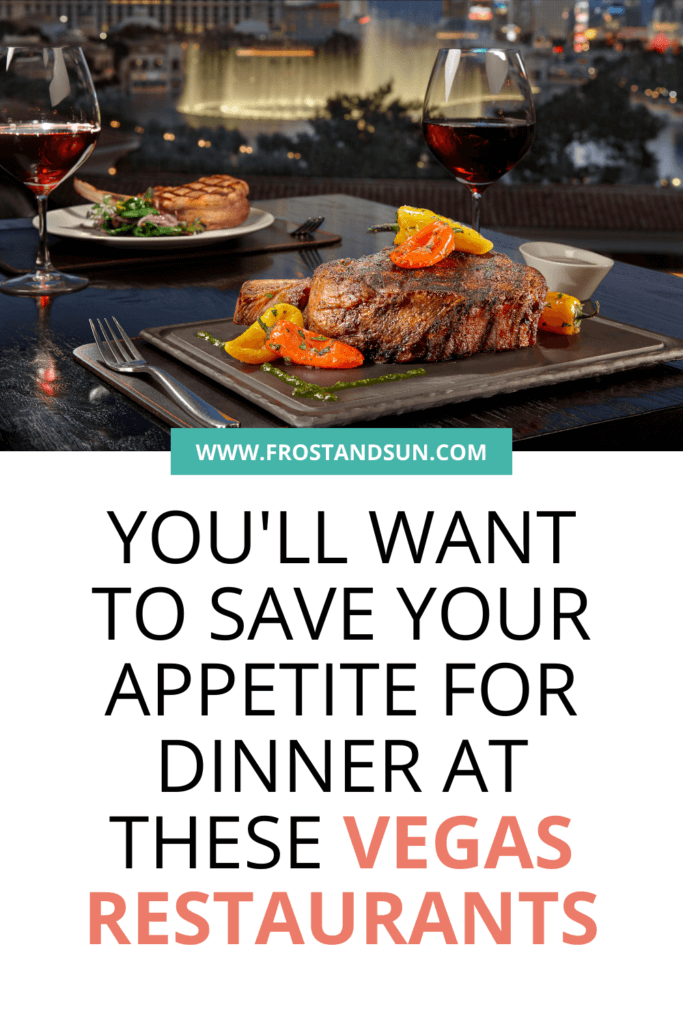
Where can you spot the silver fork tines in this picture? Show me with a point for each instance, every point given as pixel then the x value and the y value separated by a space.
pixel 102 347
pixel 308 226
pixel 122 349
pixel 119 353
pixel 311 259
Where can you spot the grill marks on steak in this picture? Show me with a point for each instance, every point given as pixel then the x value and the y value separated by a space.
pixel 219 200
pixel 463 305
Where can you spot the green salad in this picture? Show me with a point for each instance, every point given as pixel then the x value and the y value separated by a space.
pixel 137 216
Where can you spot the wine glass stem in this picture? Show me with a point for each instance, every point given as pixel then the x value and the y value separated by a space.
pixel 43 261
pixel 476 208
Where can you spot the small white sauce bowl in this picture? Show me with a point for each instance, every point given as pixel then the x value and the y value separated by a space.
pixel 576 272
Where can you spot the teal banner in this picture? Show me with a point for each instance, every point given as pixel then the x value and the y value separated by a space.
pixel 354 451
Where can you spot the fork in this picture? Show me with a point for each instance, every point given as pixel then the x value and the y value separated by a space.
pixel 120 354
pixel 308 227
pixel 311 258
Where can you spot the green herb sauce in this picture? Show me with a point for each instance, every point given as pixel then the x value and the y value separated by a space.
pixel 209 337
pixel 302 389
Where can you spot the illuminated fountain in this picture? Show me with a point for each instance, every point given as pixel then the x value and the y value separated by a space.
pixel 237 84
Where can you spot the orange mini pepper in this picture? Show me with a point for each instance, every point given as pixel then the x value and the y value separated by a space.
pixel 309 349
pixel 427 247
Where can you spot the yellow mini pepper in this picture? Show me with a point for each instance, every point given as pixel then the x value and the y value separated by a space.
pixel 563 314
pixel 411 220
pixel 250 346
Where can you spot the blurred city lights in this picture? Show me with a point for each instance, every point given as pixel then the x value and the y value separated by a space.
pixel 607 34
pixel 660 43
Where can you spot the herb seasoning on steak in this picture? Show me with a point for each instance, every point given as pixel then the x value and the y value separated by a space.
pixel 462 305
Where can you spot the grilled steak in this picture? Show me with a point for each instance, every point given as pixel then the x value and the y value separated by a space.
pixel 463 305
pixel 257 296
pixel 219 200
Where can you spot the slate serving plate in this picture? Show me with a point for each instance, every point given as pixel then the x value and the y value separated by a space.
pixel 604 346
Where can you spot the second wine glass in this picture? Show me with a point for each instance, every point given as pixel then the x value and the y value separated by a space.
pixel 478 117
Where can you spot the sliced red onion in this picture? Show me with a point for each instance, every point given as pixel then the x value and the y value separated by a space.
pixel 163 219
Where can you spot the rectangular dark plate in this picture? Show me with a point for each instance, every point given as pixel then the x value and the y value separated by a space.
pixel 604 346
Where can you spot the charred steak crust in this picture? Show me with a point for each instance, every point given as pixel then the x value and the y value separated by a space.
pixel 463 305
pixel 256 297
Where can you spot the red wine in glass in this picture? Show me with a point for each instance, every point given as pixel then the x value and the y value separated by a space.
pixel 49 124
pixel 479 152
pixel 42 155
pixel 478 117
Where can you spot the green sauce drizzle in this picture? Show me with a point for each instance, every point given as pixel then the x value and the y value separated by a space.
pixel 302 389
pixel 209 337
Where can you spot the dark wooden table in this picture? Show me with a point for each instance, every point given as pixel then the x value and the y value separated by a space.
pixel 48 402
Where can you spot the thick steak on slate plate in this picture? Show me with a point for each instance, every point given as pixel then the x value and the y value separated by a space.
pixel 463 305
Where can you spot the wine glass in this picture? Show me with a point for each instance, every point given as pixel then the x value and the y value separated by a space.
pixel 478 117
pixel 49 124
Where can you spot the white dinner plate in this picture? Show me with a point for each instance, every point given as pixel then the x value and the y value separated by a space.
pixel 73 222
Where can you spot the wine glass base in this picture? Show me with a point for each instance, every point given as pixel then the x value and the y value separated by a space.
pixel 43 282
